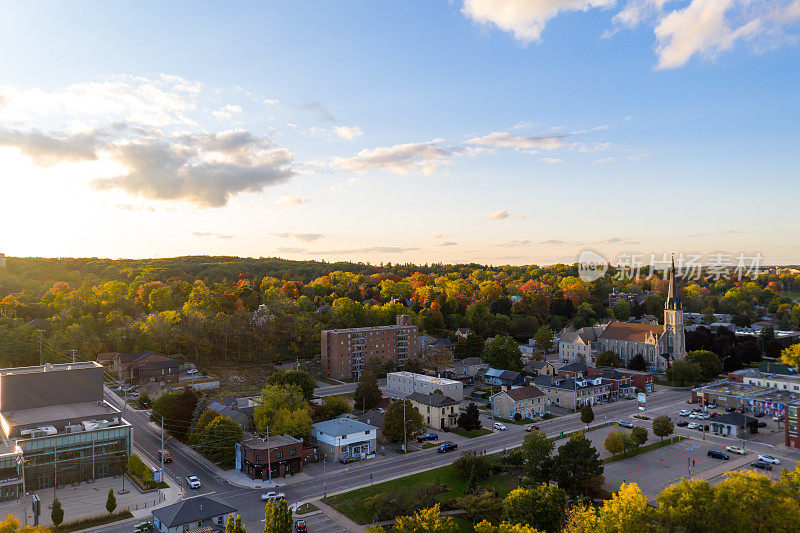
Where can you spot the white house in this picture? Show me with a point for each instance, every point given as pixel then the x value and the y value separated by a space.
pixel 343 438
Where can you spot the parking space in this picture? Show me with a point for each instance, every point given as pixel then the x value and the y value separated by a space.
pixel 321 523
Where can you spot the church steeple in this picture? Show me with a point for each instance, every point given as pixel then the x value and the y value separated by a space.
pixel 673 301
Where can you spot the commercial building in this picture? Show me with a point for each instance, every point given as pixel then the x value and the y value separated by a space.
pixel 257 456
pixel 526 401
pixel 345 352
pixel 57 429
pixel 745 397
pixel 734 425
pixel 439 412
pixel 406 383
pixel 343 439
pixel 193 514
pixel 573 393
pixel 792 419
pixel 784 382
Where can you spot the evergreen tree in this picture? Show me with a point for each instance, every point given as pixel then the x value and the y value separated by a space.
pixel 57 513
pixel 470 419
pixel 277 517
pixel 587 415
pixel 111 502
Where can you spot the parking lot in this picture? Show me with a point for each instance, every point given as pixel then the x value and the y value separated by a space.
pixel 321 523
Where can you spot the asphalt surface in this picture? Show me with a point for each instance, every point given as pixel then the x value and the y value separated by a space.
pixel 147 441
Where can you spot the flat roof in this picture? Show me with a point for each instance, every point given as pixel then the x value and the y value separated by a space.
pixel 368 328
pixel 49 368
pixel 423 377
pixel 55 413
pixel 260 443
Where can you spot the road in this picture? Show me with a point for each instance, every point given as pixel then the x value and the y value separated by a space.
pixel 147 441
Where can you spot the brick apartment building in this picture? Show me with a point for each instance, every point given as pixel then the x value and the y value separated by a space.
pixel 791 422
pixel 256 456
pixel 345 352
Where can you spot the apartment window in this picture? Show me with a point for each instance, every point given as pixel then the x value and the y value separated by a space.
pixel 293 451
pixel 280 455
pixel 366 432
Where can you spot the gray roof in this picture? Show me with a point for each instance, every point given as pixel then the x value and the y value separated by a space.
pixel 563 383
pixel 191 510
pixel 341 426
pixel 470 361
pixel 733 419
pixel 577 366
pixel 275 441
pixel 502 374
pixel 372 417
pixel 434 400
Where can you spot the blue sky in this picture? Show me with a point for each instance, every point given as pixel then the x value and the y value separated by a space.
pixel 504 131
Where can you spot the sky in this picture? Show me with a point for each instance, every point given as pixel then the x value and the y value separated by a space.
pixel 489 131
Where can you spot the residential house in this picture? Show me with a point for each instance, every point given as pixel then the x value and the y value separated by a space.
pixel 406 383
pixel 241 415
pixel 374 417
pixel 506 378
pixel 438 411
pixel 579 345
pixel 109 361
pixel 256 456
pixel 541 368
pixel 527 401
pixel 620 385
pixel 162 371
pixel 573 393
pixel 573 370
pixel 463 332
pixel 191 514
pixel 345 439
pixel 469 367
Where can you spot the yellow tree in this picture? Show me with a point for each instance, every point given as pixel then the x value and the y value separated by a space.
pixel 791 355
pixel 688 506
pixel 751 502
pixel 426 521
pixel 628 510
pixel 580 519
pixel 487 527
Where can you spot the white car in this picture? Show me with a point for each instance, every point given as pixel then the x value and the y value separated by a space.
pixel 498 426
pixel 693 425
pixel 769 459
pixel 193 482
pixel 711 406
pixel 192 371
pixel 703 416
pixel 267 496
pixel 736 449
pixel 777 418
pixel 694 415
pixel 685 413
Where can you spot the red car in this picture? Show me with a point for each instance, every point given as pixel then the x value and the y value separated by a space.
pixel 163 455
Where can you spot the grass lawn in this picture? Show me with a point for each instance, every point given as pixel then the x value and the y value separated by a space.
pixel 643 449
pixel 471 433
pixel 306 508
pixel 351 504
pixel 329 381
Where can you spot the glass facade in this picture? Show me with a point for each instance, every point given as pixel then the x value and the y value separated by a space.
pixel 75 457
pixel 10 479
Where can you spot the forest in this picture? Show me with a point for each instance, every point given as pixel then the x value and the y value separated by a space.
pixel 228 309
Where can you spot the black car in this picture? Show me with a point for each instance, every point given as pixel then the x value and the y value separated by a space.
pixel 300 527
pixel 730 409
pixel 762 424
pixel 446 447
pixel 681 423
pixel 427 437
pixel 762 465
pixel 759 415
pixel 716 454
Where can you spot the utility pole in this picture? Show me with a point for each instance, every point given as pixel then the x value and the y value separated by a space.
pixel 74 352
pixel 405 440
pixel 41 338
pixel 269 463
pixel 21 464
pixel 161 453
pixel 324 482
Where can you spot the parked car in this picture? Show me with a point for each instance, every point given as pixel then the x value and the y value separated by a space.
pixel 143 527
pixel 759 415
pixel 498 426
pixel 762 465
pixel 531 427
pixel 625 424
pixel 694 425
pixel 163 455
pixel 736 450
pixel 716 454
pixel 427 437
pixel 730 409
pixel 681 423
pixel 271 495
pixel 193 482
pixel 762 424
pixel 446 447
pixel 769 459
pixel 192 371
pixel 711 406
pixel 685 413
pixel 300 527
pixel 694 415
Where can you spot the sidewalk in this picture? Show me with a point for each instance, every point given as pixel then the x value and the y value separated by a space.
pixel 339 518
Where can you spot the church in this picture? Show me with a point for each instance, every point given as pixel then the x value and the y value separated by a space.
pixel 658 344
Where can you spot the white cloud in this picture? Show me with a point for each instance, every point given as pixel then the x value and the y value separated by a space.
pixel 424 157
pixel 350 182
pixel 270 102
pixel 605 160
pixel 522 216
pixel 615 240
pixel 551 160
pixel 525 19
pixel 349 133
pixel 303 237
pixel 498 215
pixel 210 235
pixel 290 199
pixel 503 139
pixel 447 243
pixel 226 112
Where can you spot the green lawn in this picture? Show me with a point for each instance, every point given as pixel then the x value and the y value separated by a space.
pixel 329 381
pixel 351 504
pixel 472 433
pixel 643 449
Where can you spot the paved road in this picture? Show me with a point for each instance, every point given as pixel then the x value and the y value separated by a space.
pixel 147 442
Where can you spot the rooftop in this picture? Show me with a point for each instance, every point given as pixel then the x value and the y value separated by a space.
pixel 49 368
pixel 260 443
pixel 629 331
pixel 59 413
pixel 524 393
pixel 434 400
pixel 423 377
pixel 191 510
pixel 368 328
pixel 341 426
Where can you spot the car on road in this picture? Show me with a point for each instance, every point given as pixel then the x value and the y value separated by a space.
pixel 681 423
pixel 300 527
pixel 625 424
pixel 694 415
pixel 716 454
pixel 769 459
pixel 192 371
pixel 736 449
pixel 777 418
pixel 759 415
pixel 762 424
pixel 498 426
pixel 193 482
pixel 711 406
pixel 531 427
pixel 163 455
pixel 694 425
pixel 272 495
pixel 730 409
pixel 427 437
pixel 446 447
pixel 685 412
pixel 143 527
pixel 762 465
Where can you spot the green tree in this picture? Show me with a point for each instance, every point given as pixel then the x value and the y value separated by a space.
pixel 487 527
pixel 587 415
pixel 536 450
pixel 751 502
pixel 176 408
pixel 709 363
pixel 615 442
pixel 334 407
pixel 622 310
pixel 688 506
pixel 637 362
pixel 230 525
pixel 202 422
pixel 238 525
pixel 367 395
pixel 608 358
pixel 541 506
pixel 683 372
pixel 426 521
pixel 663 426
pixel 111 501
pixel 544 338
pixel 217 441
pixel 277 517
pixel 298 378
pixel 504 353
pixel 638 436
pixel 283 410
pixel 57 513
pixel 577 467
pixel 393 421
pixel 472 467
pixel 481 506
pixel 470 419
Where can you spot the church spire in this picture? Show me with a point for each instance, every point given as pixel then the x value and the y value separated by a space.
pixel 673 301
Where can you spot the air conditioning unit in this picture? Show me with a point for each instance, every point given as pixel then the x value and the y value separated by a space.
pixel 73 428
